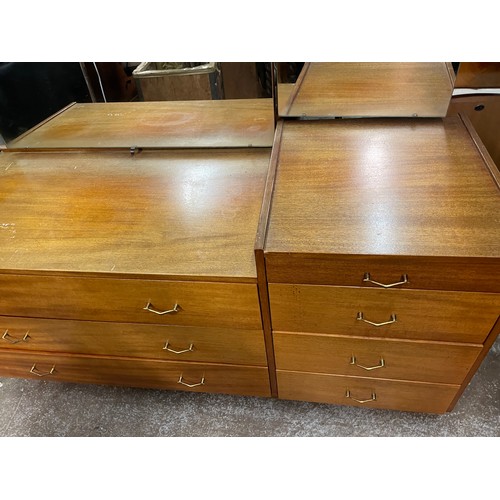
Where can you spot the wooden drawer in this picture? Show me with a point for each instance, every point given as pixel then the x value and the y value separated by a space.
pixel 427 273
pixel 230 379
pixel 389 394
pixel 426 315
pixel 214 345
pixel 210 304
pixel 440 362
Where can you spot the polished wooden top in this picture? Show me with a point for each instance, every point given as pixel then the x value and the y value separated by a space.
pixel 165 124
pixel 186 213
pixel 412 187
pixel 371 90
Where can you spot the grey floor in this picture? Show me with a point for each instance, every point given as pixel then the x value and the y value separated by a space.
pixel 40 408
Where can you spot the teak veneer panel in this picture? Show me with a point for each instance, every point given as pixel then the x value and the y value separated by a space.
pixel 437 362
pixel 393 394
pixel 370 90
pixel 415 189
pixel 189 213
pixel 432 273
pixel 424 315
pixel 211 304
pixel 167 124
pixel 154 374
pixel 213 345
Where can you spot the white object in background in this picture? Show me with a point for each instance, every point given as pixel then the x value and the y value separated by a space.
pixel 467 91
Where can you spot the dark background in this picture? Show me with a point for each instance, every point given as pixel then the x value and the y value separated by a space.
pixel 31 92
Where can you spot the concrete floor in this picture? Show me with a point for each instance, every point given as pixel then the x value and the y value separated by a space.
pixel 40 408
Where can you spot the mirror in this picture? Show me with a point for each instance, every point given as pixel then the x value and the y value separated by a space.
pixel 143 105
pixel 356 90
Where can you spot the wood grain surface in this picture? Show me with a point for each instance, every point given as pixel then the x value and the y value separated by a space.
pixel 424 315
pixel 439 362
pixel 179 213
pixel 389 394
pixel 484 113
pixel 213 345
pixel 210 304
pixel 371 90
pixel 429 273
pixel 228 379
pixel 478 75
pixel 383 188
pixel 165 124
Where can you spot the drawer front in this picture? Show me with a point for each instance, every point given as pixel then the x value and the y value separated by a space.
pixel 472 274
pixel 388 394
pixel 214 345
pixel 439 362
pixel 229 379
pixel 231 305
pixel 405 314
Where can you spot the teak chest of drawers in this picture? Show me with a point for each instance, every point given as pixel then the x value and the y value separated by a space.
pixel 133 270
pixel 382 257
pixel 356 262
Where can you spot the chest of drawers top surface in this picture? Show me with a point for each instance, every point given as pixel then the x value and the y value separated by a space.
pixel 411 191
pixel 383 187
pixel 184 214
pixel 166 124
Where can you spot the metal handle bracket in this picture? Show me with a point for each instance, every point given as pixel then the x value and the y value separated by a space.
pixel 11 340
pixel 380 365
pixel 169 349
pixel 362 401
pixel 404 279
pixel 360 317
pixel 149 307
pixel 202 382
pixel 34 371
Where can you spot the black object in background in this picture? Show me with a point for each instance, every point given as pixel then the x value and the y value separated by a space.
pixel 31 92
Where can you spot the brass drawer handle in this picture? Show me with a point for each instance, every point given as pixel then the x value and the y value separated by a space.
pixel 404 279
pixel 149 307
pixel 348 395
pixel 189 349
pixel 11 340
pixel 380 365
pixel 360 317
pixel 34 371
pixel 202 382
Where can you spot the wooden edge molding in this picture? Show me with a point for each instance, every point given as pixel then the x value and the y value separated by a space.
pixel 260 263
pixel 490 164
pixel 296 89
pixel 486 347
pixel 125 149
pixel 265 210
pixel 129 276
pixel 22 136
pixel 265 311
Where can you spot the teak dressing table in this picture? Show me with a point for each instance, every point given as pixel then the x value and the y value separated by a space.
pixel 166 245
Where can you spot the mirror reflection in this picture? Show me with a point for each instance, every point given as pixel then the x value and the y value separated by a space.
pixel 352 90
